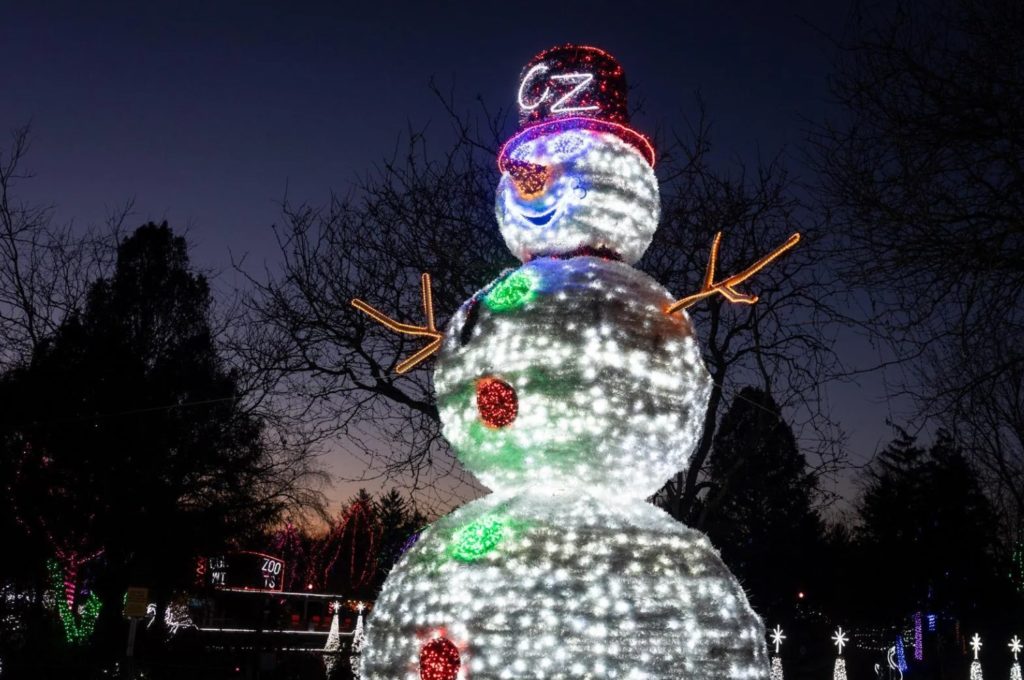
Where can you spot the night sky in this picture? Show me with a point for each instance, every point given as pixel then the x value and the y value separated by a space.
pixel 204 113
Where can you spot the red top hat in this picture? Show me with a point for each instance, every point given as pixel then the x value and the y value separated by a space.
pixel 573 87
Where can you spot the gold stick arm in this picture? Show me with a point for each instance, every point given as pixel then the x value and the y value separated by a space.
pixel 726 287
pixel 429 330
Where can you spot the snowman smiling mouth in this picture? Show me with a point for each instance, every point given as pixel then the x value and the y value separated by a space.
pixel 542 219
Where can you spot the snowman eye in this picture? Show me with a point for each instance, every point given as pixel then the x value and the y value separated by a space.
pixel 472 315
pixel 578 189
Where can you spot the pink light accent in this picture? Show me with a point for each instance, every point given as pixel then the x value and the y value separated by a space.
pixel 628 134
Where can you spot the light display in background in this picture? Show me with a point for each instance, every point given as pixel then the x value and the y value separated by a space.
pixel 333 645
pixel 177 617
pixel 1015 648
pixel 839 640
pixel 358 642
pixel 918 637
pixel 78 621
pixel 245 570
pixel 572 387
pixel 976 645
pixel 901 655
pixel 890 658
pixel 777 638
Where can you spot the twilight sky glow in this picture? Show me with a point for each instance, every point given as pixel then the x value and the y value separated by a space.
pixel 204 113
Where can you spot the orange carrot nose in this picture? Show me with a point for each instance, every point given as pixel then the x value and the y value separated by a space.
pixel 529 179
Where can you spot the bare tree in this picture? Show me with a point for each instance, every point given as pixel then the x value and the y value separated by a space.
pixel 435 213
pixel 45 269
pixel 783 343
pixel 922 171
pixel 331 368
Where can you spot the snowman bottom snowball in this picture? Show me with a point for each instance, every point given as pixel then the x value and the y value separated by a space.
pixel 531 586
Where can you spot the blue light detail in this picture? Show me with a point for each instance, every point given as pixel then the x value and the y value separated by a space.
pixel 901 656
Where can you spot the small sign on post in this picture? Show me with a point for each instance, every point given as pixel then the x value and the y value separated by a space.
pixel 135 602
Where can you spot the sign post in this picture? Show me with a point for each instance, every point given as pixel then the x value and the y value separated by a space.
pixel 135 602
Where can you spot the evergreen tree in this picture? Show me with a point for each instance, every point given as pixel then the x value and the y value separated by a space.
pixel 398 520
pixel 126 433
pixel 758 511
pixel 930 531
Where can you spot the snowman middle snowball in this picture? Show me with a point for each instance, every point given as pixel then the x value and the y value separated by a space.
pixel 603 389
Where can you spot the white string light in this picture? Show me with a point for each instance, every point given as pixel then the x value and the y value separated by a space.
pixel 976 645
pixel 777 638
pixel 333 644
pixel 839 639
pixel 890 658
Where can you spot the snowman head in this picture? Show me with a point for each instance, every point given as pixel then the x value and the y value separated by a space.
pixel 567 376
pixel 577 190
pixel 575 177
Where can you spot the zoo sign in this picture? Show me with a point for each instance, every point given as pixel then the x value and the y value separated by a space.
pixel 246 570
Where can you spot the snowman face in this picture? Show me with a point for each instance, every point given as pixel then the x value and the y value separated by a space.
pixel 567 374
pixel 574 189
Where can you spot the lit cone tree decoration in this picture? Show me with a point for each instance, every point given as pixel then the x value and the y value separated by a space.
pixel 975 664
pixel 358 640
pixel 777 638
pixel 333 645
pixel 1015 648
pixel 572 387
pixel 839 640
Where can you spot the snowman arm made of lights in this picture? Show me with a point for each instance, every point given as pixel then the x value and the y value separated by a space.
pixel 726 286
pixel 429 330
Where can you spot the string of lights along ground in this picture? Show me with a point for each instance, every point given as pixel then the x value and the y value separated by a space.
pixel 572 387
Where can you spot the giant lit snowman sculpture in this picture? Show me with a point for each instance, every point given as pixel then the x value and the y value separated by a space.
pixel 572 387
